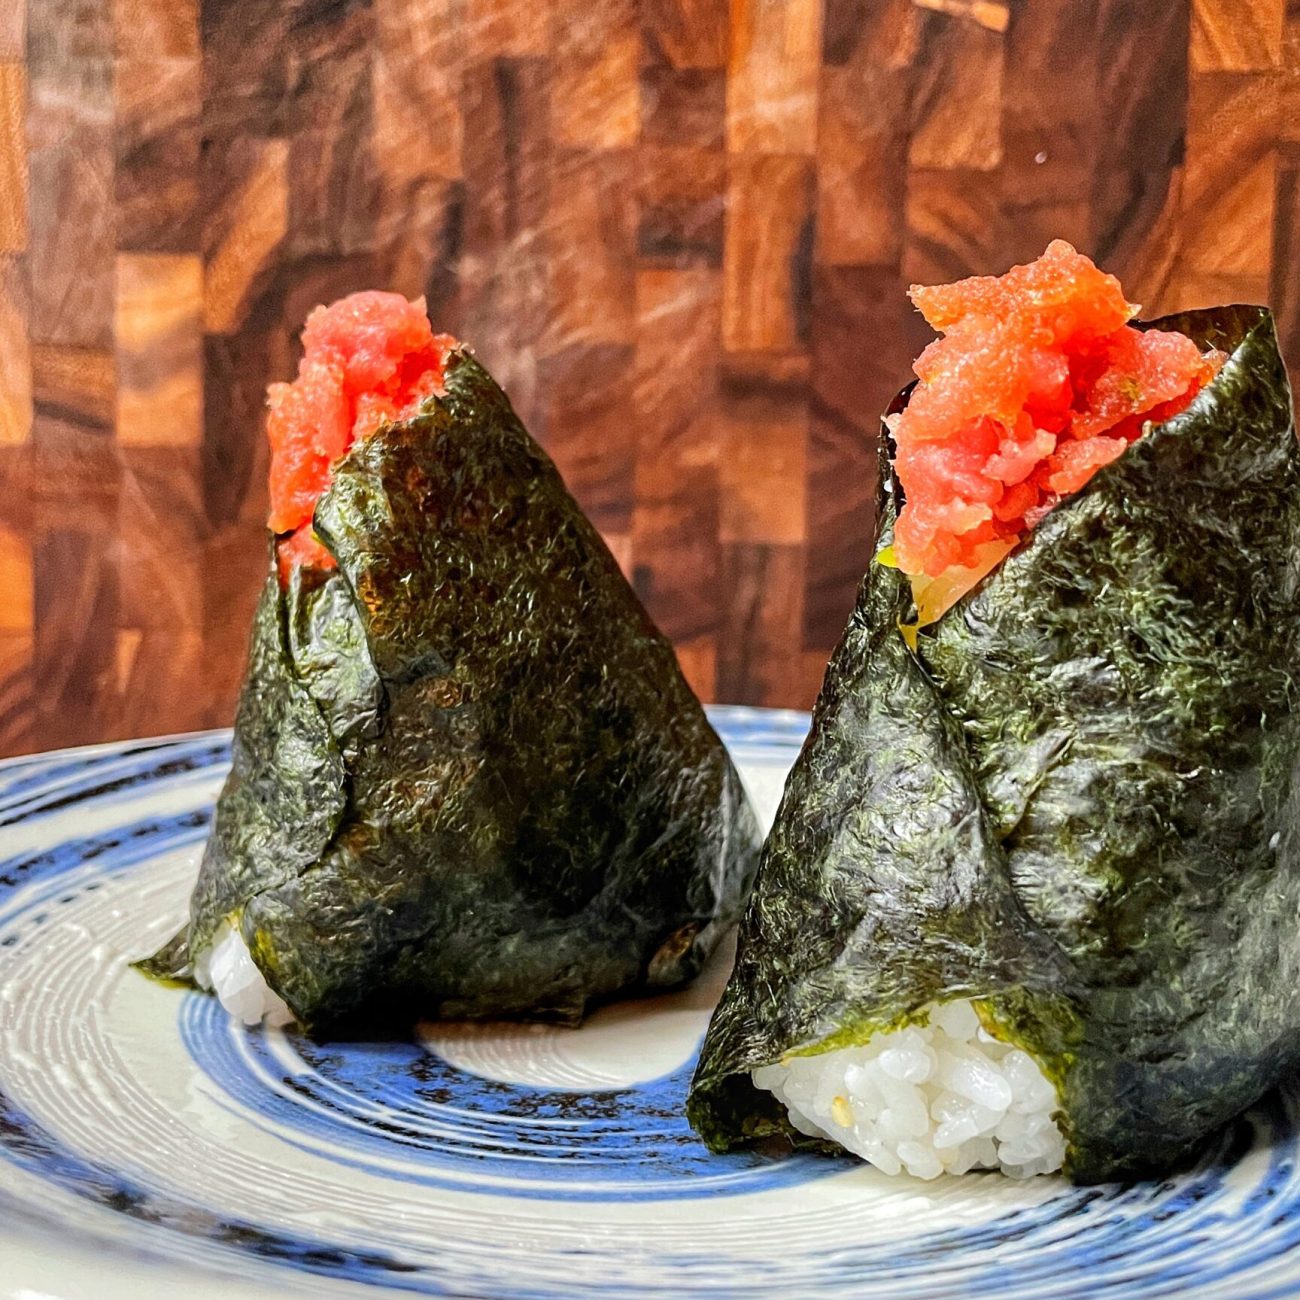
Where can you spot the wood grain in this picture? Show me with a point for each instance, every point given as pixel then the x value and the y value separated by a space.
pixel 15 354
pixel 144 28
pixel 13 156
pixel 13 32
pixel 159 327
pixel 157 137
pixel 772 76
pixel 245 229
pixel 769 208
pixel 1237 35
pixel 679 231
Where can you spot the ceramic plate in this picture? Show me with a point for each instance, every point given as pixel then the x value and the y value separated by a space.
pixel 149 1146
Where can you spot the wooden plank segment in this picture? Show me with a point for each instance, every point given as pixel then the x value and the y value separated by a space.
pixel 15 354
pixel 679 231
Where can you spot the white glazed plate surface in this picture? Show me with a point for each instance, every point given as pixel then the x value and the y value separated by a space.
pixel 150 1147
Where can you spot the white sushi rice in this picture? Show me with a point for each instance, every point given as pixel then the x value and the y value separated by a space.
pixel 944 1097
pixel 228 970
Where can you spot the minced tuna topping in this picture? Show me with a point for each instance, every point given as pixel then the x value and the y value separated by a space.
pixel 1038 381
pixel 368 359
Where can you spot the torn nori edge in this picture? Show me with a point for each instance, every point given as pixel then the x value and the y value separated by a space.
pixel 468 776
pixel 1077 801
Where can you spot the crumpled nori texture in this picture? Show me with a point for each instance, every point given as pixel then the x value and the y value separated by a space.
pixel 1077 801
pixel 469 777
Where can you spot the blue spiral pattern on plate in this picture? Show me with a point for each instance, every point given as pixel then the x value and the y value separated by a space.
pixel 362 1103
pixel 1224 1227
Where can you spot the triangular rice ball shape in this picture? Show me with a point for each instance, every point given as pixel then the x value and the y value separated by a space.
pixel 1076 802
pixel 469 778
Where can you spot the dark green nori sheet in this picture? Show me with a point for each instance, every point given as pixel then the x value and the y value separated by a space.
pixel 1077 800
pixel 468 776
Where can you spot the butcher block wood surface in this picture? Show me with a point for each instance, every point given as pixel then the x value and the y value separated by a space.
pixel 678 231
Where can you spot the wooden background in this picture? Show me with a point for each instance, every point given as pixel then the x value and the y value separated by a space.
pixel 678 231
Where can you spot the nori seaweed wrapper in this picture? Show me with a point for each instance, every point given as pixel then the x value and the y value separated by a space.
pixel 468 776
pixel 1076 802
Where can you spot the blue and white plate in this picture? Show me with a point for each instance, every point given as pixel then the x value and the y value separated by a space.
pixel 151 1147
